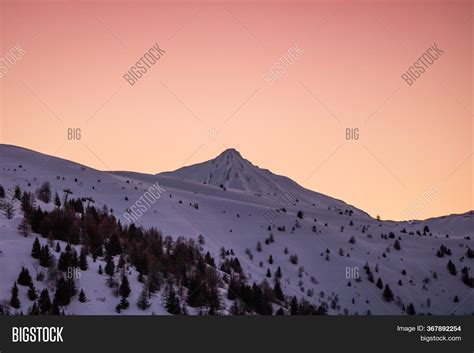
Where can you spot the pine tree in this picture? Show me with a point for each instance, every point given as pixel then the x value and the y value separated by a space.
pixel 259 246
pixel 124 289
pixel 452 268
pixel 44 192
pixel 14 300
pixel 269 274
pixel 17 193
pixel 24 278
pixel 82 296
pixel 57 200
pixel 270 259
pixel 172 303
pixel 109 266
pixel 278 272
pixel 396 245
pixel 411 309
pixel 45 257
pixel 387 293
pixel 58 247
pixel 278 292
pixel 143 302
pixel 64 261
pixel 44 302
pixel 36 250
pixel 379 283
pixel 32 295
pixel 99 271
pixel 2 192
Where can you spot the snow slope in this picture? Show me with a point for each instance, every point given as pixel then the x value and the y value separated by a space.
pixel 237 203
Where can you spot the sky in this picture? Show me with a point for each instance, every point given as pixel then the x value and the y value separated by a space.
pixel 65 94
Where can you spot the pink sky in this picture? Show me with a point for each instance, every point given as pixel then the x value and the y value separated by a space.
pixel 412 138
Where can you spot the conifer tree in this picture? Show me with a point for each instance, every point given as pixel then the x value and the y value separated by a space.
pixel 44 192
pixel 452 268
pixel 24 278
pixel 44 302
pixel 17 192
pixel 278 292
pixel 14 300
pixel 143 302
pixel 36 249
pixel 379 283
pixel 2 192
pixel 109 266
pixel 45 256
pixel 82 296
pixel 124 289
pixel 387 293
pixel 411 309
pixel 57 200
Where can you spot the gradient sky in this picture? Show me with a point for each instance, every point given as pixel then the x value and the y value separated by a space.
pixel 412 138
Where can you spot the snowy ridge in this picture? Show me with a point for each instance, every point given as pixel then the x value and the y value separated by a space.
pixel 327 235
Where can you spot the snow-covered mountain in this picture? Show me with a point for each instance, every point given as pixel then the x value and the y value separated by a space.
pixel 236 205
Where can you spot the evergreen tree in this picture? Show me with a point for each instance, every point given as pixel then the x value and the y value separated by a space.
pixel 109 266
pixel 44 302
pixel 452 268
pixel 24 278
pixel 278 292
pixel 278 272
pixel 45 256
pixel 269 274
pixel 379 283
pixel 2 192
pixel 32 295
pixel 387 293
pixel 17 193
pixel 411 309
pixel 99 271
pixel 64 261
pixel 44 192
pixel 36 249
pixel 14 300
pixel 124 289
pixel 65 290
pixel 143 302
pixel 57 200
pixel 270 259
pixel 82 296
pixel 396 245
pixel 172 303
pixel 58 247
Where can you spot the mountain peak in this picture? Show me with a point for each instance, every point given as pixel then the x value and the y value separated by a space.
pixel 230 152
pixel 229 170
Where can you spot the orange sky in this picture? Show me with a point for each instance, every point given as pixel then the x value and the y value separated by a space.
pixel 208 92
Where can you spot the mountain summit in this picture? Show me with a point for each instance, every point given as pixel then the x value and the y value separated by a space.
pixel 230 170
